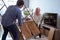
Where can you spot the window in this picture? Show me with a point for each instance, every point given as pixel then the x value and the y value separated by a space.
pixel 5 4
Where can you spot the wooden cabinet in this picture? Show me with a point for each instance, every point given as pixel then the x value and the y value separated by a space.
pixel 28 28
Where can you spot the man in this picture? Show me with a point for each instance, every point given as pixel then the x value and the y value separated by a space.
pixel 9 18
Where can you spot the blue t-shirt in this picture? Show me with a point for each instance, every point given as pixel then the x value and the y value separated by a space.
pixel 12 13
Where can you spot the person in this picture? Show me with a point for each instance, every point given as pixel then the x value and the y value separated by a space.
pixel 12 13
pixel 0 19
pixel 37 18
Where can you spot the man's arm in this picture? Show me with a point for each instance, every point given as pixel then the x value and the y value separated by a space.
pixel 19 16
pixel 20 19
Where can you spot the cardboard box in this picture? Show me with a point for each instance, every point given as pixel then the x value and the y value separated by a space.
pixel 51 33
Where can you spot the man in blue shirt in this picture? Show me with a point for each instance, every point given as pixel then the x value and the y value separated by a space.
pixel 8 20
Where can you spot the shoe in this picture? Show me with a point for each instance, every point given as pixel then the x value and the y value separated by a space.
pixel 36 37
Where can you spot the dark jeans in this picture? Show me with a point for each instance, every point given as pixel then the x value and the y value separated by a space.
pixel 12 29
pixel 39 29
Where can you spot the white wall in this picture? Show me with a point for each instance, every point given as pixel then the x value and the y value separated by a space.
pixel 26 3
pixel 47 6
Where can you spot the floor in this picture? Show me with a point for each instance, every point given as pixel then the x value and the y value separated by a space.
pixel 9 37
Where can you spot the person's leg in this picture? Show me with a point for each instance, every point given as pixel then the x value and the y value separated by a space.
pixel 5 33
pixel 40 31
pixel 13 30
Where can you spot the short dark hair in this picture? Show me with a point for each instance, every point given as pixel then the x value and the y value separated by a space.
pixel 20 2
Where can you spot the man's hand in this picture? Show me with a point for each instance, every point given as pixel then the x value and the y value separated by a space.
pixel 20 28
